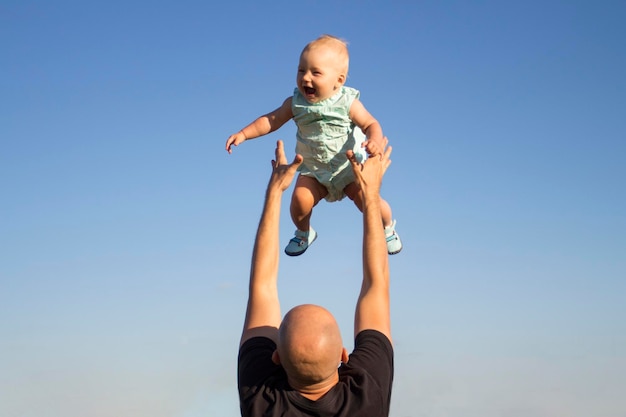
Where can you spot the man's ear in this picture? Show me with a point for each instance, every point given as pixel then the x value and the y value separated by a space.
pixel 344 355
pixel 276 357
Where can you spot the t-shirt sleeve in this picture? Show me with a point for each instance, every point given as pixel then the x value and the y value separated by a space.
pixel 373 353
pixel 255 364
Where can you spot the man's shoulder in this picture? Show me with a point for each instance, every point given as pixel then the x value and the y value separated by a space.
pixel 372 336
pixel 255 365
pixel 372 354
pixel 257 343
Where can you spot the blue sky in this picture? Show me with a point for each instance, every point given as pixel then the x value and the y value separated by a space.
pixel 126 229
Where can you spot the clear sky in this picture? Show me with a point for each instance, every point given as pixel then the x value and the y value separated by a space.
pixel 126 229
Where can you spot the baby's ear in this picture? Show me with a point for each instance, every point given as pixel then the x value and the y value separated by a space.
pixel 342 79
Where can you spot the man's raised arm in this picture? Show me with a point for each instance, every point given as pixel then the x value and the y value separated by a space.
pixel 372 310
pixel 263 312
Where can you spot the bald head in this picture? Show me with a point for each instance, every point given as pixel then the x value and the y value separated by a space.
pixel 309 344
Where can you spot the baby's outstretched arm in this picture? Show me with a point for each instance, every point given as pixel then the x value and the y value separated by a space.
pixel 262 126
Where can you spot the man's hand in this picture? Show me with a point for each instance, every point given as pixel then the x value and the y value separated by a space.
pixel 369 175
pixel 283 173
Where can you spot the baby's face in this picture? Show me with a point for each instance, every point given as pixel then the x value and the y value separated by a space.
pixel 319 75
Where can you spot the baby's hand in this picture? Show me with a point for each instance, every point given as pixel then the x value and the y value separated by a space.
pixel 372 148
pixel 235 140
pixel 369 174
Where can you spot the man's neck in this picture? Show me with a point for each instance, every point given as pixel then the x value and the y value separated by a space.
pixel 316 391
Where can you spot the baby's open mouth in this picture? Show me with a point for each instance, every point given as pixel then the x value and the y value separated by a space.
pixel 309 91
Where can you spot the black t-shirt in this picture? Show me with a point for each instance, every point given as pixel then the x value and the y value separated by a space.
pixel 364 388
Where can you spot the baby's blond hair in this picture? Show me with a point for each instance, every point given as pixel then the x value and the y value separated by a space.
pixel 338 45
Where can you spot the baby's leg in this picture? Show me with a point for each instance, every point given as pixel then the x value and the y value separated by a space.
pixel 353 192
pixel 306 194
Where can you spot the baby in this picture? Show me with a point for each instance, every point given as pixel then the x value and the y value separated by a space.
pixel 331 120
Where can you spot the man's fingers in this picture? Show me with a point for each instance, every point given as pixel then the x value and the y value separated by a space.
pixel 281 159
pixel 297 160
pixel 280 153
pixel 351 156
pixel 385 159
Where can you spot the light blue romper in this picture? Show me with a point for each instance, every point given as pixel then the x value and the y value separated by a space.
pixel 325 133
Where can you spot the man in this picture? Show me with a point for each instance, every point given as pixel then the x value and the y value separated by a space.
pixel 298 366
